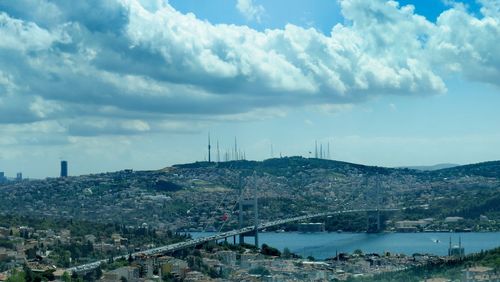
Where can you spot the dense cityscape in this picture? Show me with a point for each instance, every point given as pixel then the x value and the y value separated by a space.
pixel 51 226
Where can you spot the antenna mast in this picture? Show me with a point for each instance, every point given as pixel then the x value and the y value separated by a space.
pixel 209 147
pixel 218 151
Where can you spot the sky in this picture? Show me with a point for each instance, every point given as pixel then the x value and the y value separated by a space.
pixel 118 84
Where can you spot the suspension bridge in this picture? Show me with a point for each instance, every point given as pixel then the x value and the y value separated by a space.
pixel 253 229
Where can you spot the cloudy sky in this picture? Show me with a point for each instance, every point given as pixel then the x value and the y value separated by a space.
pixel 117 84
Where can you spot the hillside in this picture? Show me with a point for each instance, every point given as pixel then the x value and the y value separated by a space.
pixel 195 196
pixel 485 169
pixel 431 167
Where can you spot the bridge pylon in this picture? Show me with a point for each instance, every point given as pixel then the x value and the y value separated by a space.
pixel 373 222
pixel 248 204
pixel 373 217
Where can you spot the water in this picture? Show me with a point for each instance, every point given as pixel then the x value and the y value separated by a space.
pixel 323 245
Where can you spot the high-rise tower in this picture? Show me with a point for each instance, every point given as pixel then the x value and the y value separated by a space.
pixel 64 168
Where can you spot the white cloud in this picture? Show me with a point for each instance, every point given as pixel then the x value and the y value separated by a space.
pixel 136 125
pixel 250 10
pixel 129 66
pixel 42 108
pixel 25 36
pixel 466 44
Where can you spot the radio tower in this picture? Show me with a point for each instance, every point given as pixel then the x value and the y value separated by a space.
pixel 328 151
pixel 235 149
pixel 209 147
pixel 316 149
pixel 218 151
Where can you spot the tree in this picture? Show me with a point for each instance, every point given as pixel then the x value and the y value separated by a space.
pixel 259 270
pixel 168 277
pixel 16 276
pixel 66 277
pixel 74 276
pixel 98 273
pixel 286 253
pixel 29 276
pixel 269 251
pixel 30 253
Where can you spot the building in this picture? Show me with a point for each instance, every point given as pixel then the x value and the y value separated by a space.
pixel 227 257
pixel 2 177
pixel 453 219
pixel 483 218
pixel 479 273
pixel 130 273
pixel 19 176
pixel 437 280
pixel 173 266
pixel 64 168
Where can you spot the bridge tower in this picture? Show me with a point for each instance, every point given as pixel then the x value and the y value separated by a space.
pixel 373 225
pixel 373 217
pixel 248 204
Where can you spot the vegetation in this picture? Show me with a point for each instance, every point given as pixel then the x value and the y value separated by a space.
pixel 450 269
pixel 260 270
pixel 79 250
pixel 269 251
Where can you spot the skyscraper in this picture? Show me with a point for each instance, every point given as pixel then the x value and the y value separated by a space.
pixel 64 168
pixel 19 176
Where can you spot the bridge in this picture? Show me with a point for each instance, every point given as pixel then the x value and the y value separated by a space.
pixel 219 236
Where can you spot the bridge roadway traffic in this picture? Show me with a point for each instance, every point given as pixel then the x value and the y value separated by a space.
pixel 219 236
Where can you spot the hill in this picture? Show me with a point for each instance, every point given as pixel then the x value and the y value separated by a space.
pixel 485 169
pixel 431 167
pixel 196 196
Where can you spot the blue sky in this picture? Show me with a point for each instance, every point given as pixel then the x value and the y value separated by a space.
pixel 140 83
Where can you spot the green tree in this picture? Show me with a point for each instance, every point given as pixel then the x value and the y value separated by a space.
pixel 259 270
pixel 16 276
pixel 269 251
pixel 286 253
pixel 66 277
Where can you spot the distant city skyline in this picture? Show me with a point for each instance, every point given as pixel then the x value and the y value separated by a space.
pixel 141 83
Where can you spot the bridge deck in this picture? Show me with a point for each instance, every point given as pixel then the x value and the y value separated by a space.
pixel 219 236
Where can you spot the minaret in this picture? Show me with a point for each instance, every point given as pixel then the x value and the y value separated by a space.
pixel 209 147
pixel 449 248
pixel 460 250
